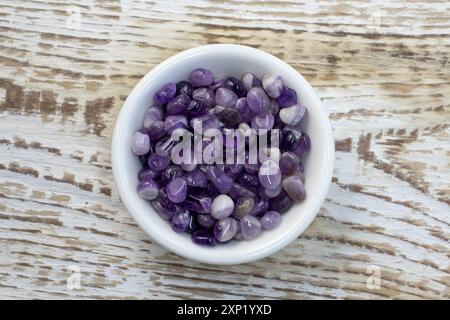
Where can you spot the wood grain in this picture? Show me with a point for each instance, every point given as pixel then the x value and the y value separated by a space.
pixel 381 68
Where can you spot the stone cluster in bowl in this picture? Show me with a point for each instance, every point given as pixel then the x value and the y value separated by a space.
pixel 217 200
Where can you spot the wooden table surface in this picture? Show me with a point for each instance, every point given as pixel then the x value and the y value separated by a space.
pixel 381 68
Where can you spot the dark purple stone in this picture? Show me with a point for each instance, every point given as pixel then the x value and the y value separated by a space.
pixel 170 173
pixel 158 162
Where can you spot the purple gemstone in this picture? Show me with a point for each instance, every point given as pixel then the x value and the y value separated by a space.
pixel 204 237
pixel 184 87
pixel 151 115
pixel 273 85
pixel 249 180
pixel 158 162
pixel 222 181
pixel 197 203
pixel 289 163
pixel 272 193
pixel 201 77
pixel 156 130
pixel 270 220
pixel 250 227
pixel 165 94
pixel 180 221
pixel 225 97
pixel 207 121
pixel 292 115
pixel 238 236
pixel 140 143
pixel 261 206
pixel 269 174
pixel 148 173
pixel 238 191
pixel 171 173
pixel 206 220
pixel 287 98
pixel 293 185
pixel 244 110
pixel 148 189
pixel 251 168
pixel 250 80
pixel 263 121
pixel 175 122
pixel 257 100
pixel 225 229
pixel 236 86
pixel 177 190
pixel 218 84
pixel 205 96
pixel 178 105
pixel 196 178
pixel 281 203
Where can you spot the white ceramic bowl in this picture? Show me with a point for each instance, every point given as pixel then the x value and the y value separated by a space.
pixel 224 60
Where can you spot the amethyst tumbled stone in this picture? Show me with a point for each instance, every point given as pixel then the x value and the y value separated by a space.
pixel 205 96
pixel 222 207
pixel 236 86
pixel 257 100
pixel 180 221
pixel 208 196
pixel 269 174
pixel 140 143
pixel 184 87
pixel 293 185
pixel 225 229
pixel 177 190
pixel 165 94
pixel 249 81
pixel 287 98
pixel 250 227
pixel 225 97
pixel 273 85
pixel 179 104
pixel 270 220
pixel 148 189
pixel 204 238
pixel 201 77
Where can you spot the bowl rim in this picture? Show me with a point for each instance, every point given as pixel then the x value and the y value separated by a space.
pixel 289 236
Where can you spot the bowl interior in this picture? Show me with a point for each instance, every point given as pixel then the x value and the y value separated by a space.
pixel 223 61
